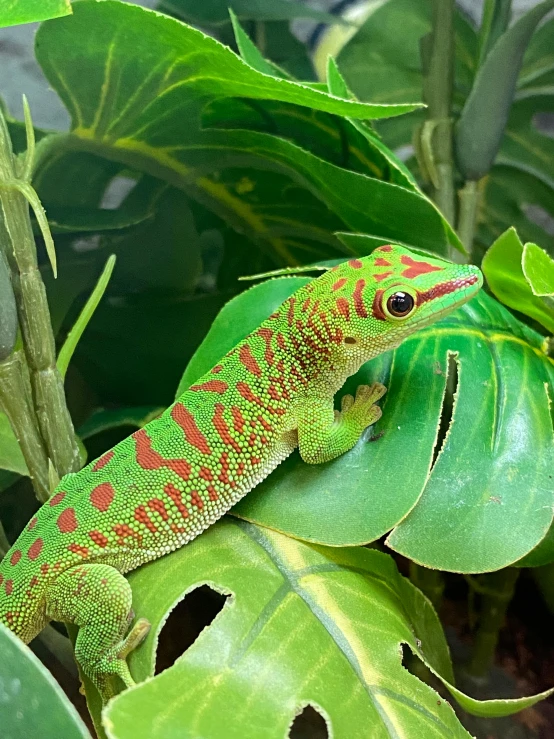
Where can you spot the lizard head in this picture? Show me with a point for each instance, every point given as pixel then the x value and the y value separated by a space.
pixel 381 299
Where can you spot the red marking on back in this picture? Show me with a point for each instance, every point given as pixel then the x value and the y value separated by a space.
pixel 223 475
pixel 205 474
pixel 102 496
pixel 249 360
pixel 416 268
pixel 1 578
pixel 9 587
pixel 222 429
pixel 339 283
pixel 385 248
pixel 290 312
pixel 32 523
pixel 57 498
pixel 267 335
pixel 212 492
pixel 184 418
pixel 252 439
pixel 247 394
pixel 103 461
pixel 149 459
pixel 34 581
pixel 255 460
pixel 67 521
pixel 177 498
pixel 16 556
pixel 238 420
pixel 196 500
pixel 44 566
pixel 444 288
pixel 211 386
pixel 123 531
pixel 358 299
pixel 377 308
pixel 141 515
pixel 215 370
pixel 158 506
pixel 274 393
pixel 267 426
pixel 306 304
pixel 78 549
pixel 281 343
pixel 355 263
pixel 98 538
pixel 382 262
pixel 383 275
pixel 343 307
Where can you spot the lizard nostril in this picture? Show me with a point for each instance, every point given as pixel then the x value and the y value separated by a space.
pixel 349 340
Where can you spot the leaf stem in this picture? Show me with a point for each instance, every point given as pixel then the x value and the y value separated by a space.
pixel 34 319
pixel 497 590
pixel 430 582
pixel 437 92
pixel 469 195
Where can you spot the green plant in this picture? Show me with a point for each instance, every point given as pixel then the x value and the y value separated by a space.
pixel 228 168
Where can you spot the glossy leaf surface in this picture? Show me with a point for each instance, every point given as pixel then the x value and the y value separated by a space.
pixel 32 704
pixel 486 501
pixel 14 12
pixel 338 618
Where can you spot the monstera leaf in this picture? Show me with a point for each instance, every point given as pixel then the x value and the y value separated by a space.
pixel 480 502
pixel 282 196
pixel 302 625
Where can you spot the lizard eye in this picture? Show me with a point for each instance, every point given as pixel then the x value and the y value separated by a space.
pixel 400 304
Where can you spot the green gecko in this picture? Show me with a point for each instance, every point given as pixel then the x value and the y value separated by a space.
pixel 167 482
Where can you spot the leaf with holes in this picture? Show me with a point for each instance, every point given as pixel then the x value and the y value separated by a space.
pixel 304 625
pixel 169 73
pixel 32 704
pixel 487 500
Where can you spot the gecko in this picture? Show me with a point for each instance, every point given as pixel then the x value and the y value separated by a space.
pixel 162 486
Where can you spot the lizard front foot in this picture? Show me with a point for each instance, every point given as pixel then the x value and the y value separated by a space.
pixel 362 410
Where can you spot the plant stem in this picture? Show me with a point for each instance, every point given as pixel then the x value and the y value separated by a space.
pixel 430 582
pixel 34 319
pixel 17 404
pixel 437 91
pixel 469 204
pixel 260 36
pixel 497 590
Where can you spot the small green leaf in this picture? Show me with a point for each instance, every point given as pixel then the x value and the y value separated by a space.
pixel 250 52
pixel 70 344
pixel 32 704
pixel 105 419
pixel 538 268
pixel 15 12
pixel 502 266
pixel 304 625
pixel 11 458
pixel 484 116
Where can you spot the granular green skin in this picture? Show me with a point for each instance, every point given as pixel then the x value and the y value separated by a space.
pixel 162 486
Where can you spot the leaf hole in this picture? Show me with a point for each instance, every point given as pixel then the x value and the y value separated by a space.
pixel 185 623
pixel 416 667
pixel 309 724
pixel 448 403
pixel 117 190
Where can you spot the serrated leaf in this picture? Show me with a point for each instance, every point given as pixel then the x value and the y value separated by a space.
pixel 538 268
pixel 32 704
pixel 487 500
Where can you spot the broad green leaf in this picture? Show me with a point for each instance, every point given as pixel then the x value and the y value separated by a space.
pixel 487 500
pixel 216 12
pixel 304 625
pixel 105 419
pixel 32 704
pixel 143 128
pixel 11 458
pixel 542 554
pixel 15 12
pixel 502 266
pixel 538 268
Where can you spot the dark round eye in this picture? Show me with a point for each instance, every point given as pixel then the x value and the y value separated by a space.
pixel 400 304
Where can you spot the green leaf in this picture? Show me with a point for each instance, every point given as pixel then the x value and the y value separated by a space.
pixel 105 419
pixel 14 12
pixel 502 266
pixel 338 617
pixel 70 344
pixel 538 268
pixel 11 458
pixel 143 130
pixel 216 12
pixel 491 516
pixel 32 704
pixel 250 53
pixel 480 129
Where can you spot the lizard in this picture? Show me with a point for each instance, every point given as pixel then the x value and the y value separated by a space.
pixel 162 486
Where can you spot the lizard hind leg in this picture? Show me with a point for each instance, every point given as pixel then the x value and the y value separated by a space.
pixel 98 599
